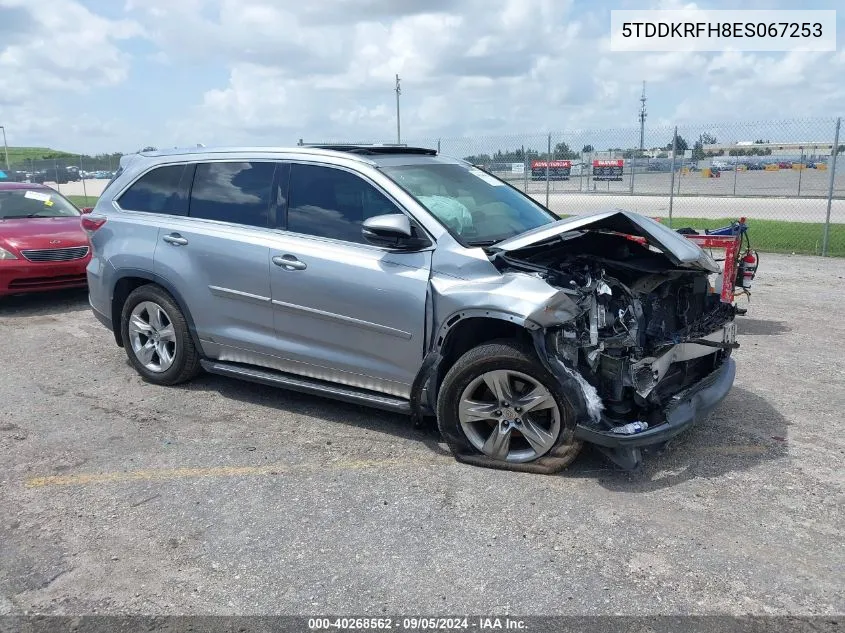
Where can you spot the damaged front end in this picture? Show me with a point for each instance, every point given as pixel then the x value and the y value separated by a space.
pixel 648 352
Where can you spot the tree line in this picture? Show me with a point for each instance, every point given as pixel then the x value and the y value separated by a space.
pixel 562 151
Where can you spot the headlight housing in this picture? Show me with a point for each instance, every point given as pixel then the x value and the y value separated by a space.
pixel 4 254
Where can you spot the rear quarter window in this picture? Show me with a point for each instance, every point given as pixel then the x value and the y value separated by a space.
pixel 161 190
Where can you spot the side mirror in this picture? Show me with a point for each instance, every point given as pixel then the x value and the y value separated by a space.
pixel 87 209
pixel 393 231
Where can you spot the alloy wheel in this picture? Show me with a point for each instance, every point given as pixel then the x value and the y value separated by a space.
pixel 152 336
pixel 509 416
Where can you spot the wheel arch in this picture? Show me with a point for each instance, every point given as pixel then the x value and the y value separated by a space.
pixel 459 333
pixel 128 280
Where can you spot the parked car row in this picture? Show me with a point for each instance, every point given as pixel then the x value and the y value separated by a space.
pixel 100 174
pixel 60 175
pixel 759 164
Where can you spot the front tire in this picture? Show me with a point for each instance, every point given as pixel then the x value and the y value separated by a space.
pixel 499 407
pixel 156 337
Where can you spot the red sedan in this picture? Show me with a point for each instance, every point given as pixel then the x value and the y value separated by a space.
pixel 42 243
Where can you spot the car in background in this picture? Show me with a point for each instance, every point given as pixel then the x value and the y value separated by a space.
pixel 43 245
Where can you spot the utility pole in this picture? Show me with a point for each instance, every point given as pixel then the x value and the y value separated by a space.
pixel 5 148
pixel 398 126
pixel 639 154
pixel 643 115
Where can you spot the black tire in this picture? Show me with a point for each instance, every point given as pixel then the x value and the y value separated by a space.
pixel 186 360
pixel 509 355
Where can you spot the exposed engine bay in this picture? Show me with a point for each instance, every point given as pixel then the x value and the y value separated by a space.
pixel 647 327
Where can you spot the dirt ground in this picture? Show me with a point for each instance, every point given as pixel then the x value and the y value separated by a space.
pixel 222 497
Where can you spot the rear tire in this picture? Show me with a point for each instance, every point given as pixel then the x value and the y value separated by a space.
pixel 157 338
pixel 499 407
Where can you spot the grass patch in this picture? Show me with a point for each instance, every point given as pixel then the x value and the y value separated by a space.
pixel 778 236
pixel 83 201
pixel 19 155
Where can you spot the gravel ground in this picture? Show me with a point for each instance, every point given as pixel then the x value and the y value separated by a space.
pixel 223 497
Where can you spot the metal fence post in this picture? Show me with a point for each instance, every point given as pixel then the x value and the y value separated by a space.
pixel 736 170
pixel 834 153
pixel 672 170
pixel 548 160
pixel 82 177
pixel 800 171
pixel 633 170
pixel 524 171
pixel 438 146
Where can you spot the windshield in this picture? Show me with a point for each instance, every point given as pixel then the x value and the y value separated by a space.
pixel 34 203
pixel 476 207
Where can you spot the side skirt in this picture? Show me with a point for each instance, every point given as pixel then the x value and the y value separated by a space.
pixel 308 385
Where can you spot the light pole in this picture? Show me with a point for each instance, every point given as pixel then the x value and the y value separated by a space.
pixel 5 148
pixel 642 117
pixel 398 128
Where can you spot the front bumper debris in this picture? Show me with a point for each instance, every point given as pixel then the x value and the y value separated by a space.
pixel 685 409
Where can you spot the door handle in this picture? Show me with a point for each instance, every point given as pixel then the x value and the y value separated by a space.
pixel 289 262
pixel 175 239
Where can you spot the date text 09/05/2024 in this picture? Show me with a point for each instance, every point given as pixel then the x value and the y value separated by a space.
pixel 416 624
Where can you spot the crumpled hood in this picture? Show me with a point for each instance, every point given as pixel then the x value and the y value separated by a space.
pixel 677 248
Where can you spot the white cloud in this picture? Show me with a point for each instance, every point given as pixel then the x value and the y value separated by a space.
pixel 55 48
pixel 325 70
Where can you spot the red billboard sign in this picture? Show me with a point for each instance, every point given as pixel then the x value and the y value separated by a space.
pixel 608 169
pixel 552 164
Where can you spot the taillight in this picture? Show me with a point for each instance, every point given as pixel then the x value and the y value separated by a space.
pixel 92 223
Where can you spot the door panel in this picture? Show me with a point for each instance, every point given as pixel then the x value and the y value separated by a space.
pixel 223 277
pixel 218 256
pixel 355 313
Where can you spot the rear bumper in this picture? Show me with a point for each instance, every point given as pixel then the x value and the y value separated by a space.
pixel 102 318
pixel 20 276
pixel 685 409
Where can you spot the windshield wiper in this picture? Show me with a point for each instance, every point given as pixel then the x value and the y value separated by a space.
pixel 38 215
pixel 483 243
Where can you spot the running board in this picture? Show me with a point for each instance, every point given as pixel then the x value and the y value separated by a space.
pixel 307 385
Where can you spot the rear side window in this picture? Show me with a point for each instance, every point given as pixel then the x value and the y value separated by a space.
pixel 329 202
pixel 162 190
pixel 237 192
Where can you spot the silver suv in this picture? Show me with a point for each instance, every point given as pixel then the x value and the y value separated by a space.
pixel 397 278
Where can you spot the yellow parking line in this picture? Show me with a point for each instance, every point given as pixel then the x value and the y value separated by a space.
pixel 154 474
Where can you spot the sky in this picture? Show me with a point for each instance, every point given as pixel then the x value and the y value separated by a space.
pixel 98 76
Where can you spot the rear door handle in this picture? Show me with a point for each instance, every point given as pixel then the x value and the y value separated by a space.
pixel 289 262
pixel 175 239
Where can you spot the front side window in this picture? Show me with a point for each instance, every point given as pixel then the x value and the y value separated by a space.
pixel 237 192
pixel 162 190
pixel 476 207
pixel 329 202
pixel 34 203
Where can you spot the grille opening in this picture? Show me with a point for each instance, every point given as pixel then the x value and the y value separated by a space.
pixel 56 254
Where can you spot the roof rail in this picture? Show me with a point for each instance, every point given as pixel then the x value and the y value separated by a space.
pixel 371 148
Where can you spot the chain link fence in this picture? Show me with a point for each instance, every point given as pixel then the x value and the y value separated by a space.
pixel 81 177
pixel 780 175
